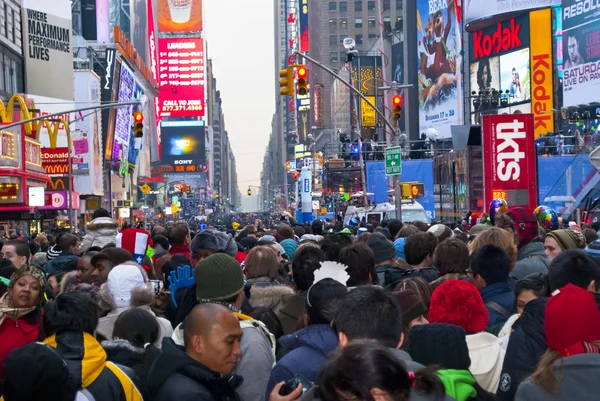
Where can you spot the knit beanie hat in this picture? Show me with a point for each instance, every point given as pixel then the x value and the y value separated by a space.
pixel 410 305
pixel 122 279
pixel 478 229
pixel 439 344
pixel 53 252
pixel 568 238
pixel 218 277
pixel 214 240
pixel 29 271
pixel 526 225
pixel 290 247
pixel 399 245
pixel 36 372
pixel 381 247
pixel 571 318
pixel 441 231
pixel 459 303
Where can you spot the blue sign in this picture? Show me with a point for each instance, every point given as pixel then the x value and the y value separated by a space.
pixel 306 185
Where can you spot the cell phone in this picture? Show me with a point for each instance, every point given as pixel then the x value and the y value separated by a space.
pixel 157 286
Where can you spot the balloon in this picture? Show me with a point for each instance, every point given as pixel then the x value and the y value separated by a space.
pixel 498 205
pixel 546 217
pixel 235 225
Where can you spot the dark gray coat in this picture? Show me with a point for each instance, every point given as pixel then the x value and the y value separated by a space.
pixel 531 259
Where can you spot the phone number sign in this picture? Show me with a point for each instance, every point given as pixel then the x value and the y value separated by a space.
pixel 181 77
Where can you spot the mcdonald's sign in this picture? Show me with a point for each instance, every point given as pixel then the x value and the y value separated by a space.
pixel 55 161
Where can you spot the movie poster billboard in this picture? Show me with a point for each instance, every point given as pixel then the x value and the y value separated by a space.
pixel 180 16
pixel 581 52
pixel 439 47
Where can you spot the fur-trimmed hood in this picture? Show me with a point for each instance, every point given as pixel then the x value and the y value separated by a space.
pixel 269 296
pixel 121 344
pixel 140 296
pixel 100 223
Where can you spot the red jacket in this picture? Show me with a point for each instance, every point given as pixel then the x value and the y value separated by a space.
pixel 181 250
pixel 17 333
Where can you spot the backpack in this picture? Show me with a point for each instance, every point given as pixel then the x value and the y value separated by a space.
pixel 248 322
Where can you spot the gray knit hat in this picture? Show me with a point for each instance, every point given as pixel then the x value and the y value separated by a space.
pixel 218 277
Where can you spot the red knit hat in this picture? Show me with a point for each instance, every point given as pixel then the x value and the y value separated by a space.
pixel 571 318
pixel 459 303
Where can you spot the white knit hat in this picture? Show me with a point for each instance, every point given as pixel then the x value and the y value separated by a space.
pixel 122 279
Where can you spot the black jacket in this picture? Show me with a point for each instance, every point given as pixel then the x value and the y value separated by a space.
pixel 176 376
pixel 526 346
pixel 393 277
pixel 123 353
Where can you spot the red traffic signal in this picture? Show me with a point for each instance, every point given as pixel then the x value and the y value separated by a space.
pixel 396 107
pixel 295 176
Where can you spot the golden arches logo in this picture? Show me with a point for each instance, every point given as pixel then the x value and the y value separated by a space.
pixel 56 185
pixel 6 116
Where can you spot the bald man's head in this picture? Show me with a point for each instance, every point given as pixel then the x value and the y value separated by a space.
pixel 212 336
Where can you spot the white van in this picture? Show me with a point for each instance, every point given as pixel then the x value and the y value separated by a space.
pixel 411 211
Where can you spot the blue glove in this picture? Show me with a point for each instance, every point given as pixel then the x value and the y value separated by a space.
pixel 184 278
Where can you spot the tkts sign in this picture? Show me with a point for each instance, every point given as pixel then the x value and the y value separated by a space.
pixel 502 37
pixel 509 159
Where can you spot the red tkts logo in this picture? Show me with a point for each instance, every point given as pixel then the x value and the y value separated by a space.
pixel 500 38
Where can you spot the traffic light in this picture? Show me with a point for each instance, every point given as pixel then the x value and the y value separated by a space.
pixel 138 124
pixel 396 107
pixel 217 196
pixel 286 83
pixel 302 80
pixel 249 191
pixel 187 188
pixel 160 215
pixel 296 176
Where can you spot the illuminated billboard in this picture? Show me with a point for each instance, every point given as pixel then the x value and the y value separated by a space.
pixel 182 143
pixel 181 77
pixel 515 76
pixel 180 16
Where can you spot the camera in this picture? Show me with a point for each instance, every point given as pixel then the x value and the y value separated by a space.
pixel 292 384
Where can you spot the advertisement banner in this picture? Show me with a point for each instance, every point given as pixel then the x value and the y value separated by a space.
pixel 55 161
pixel 87 140
pixel 59 200
pixel 180 16
pixel 153 48
pixel 303 22
pixel 367 113
pixel 181 77
pixel 47 48
pixel 102 22
pixel 54 134
pixel 581 52
pixel 500 38
pixel 139 34
pixel 183 143
pixel 509 159
pixel 541 71
pixel 120 147
pixel 439 50
pixel 478 9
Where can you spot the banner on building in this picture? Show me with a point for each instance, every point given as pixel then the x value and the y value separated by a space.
pixel 87 138
pixel 139 33
pixel 180 16
pixel 122 129
pixel 581 52
pixel 183 144
pixel 439 63
pixel 541 71
pixel 47 48
pixel 368 116
pixel 181 77
pixel 303 23
pixel 478 9
pixel 509 159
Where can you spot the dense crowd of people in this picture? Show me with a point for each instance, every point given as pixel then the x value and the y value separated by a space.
pixel 506 309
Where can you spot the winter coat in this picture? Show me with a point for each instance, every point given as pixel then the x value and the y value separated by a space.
pixel 17 333
pixel 122 352
pixel 176 376
pixel 99 232
pixel 388 270
pixel 265 293
pixel 292 308
pixel 89 369
pixel 393 277
pixel 498 296
pixel 531 259
pixel 308 350
pixel 106 324
pixel 578 375
pixel 487 356
pixel 526 346
pixel 258 358
pixel 58 264
pixel 450 276
pixel 181 250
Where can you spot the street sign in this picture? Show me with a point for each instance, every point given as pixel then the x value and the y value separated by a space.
pixel 393 161
pixel 145 189
pixel 175 199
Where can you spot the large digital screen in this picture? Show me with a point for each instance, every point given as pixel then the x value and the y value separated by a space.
pixel 180 16
pixel 515 76
pixel 182 143
pixel 181 77
pixel 122 133
pixel 485 74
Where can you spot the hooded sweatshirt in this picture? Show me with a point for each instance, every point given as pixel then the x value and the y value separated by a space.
pixel 578 376
pixel 89 369
pixel 458 383
pixel 307 352
pixel 176 376
pixel 487 356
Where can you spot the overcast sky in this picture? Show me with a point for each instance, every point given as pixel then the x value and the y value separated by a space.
pixel 240 44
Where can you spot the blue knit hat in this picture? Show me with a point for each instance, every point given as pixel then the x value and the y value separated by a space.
pixel 399 245
pixel 290 247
